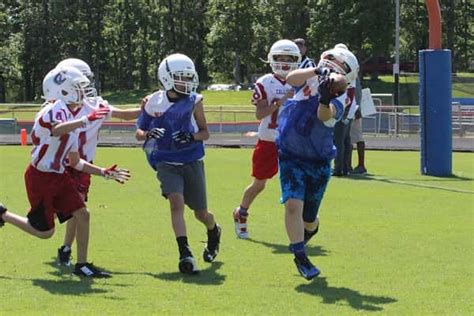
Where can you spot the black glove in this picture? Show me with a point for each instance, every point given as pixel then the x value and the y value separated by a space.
pixel 322 71
pixel 183 137
pixel 156 133
pixel 325 95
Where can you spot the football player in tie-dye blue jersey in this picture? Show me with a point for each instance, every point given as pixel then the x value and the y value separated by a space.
pixel 305 150
pixel 173 125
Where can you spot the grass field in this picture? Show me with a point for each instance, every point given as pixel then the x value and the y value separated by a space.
pixel 394 242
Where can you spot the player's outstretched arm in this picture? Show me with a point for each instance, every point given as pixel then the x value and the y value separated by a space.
pixel 298 77
pixel 113 172
pixel 68 126
pixel 126 114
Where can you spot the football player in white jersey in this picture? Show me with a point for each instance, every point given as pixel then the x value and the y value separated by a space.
pixel 88 136
pixel 51 191
pixel 271 91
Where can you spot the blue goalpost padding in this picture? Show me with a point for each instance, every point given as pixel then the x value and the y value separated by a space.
pixel 435 112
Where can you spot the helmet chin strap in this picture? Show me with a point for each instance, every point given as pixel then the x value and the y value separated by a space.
pixel 179 95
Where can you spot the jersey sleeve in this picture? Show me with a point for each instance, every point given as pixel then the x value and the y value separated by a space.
pixel 259 93
pixel 52 116
pixel 339 105
pixel 144 120
pixel 199 98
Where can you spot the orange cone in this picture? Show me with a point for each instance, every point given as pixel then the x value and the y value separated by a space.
pixel 23 137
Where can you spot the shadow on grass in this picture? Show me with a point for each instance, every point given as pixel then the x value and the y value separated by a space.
pixel 371 177
pixel 283 249
pixel 333 295
pixel 207 276
pixel 67 286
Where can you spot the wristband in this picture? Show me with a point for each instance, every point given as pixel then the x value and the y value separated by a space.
pixel 84 120
pixel 80 165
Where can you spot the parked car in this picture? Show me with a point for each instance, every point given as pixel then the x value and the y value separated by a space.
pixel 384 66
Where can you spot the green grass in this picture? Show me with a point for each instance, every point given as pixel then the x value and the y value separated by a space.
pixel 394 243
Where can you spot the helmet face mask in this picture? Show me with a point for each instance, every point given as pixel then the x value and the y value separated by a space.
pixel 277 54
pixel 67 84
pixel 177 72
pixel 342 61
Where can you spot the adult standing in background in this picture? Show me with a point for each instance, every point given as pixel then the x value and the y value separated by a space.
pixel 306 62
pixel 356 134
pixel 342 129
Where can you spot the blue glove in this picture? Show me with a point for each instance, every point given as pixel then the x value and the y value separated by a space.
pixel 183 137
pixel 156 133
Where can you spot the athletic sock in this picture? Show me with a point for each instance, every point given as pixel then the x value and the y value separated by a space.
pixel 213 232
pixel 65 248
pixel 298 249
pixel 183 247
pixel 243 211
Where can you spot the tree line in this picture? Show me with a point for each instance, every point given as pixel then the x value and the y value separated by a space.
pixel 124 40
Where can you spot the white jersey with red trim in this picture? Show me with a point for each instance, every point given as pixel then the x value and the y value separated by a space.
pixel 270 88
pixel 89 134
pixel 49 152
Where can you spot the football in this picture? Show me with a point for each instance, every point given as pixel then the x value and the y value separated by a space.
pixel 338 85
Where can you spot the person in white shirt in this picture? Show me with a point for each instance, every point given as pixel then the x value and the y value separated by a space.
pixel 88 138
pixel 271 91
pixel 51 191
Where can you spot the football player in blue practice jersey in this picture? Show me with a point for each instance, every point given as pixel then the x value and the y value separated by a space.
pixel 173 125
pixel 305 148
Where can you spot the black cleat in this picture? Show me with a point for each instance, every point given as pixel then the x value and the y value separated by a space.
pixel 188 265
pixel 64 256
pixel 88 270
pixel 306 268
pixel 212 247
pixel 3 209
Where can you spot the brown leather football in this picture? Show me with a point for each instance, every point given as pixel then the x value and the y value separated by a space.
pixel 338 85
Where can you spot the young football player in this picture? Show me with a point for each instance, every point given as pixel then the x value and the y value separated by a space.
pixel 51 191
pixel 173 125
pixel 305 147
pixel 87 146
pixel 271 91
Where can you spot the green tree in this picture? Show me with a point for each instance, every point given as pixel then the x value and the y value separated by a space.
pixel 230 36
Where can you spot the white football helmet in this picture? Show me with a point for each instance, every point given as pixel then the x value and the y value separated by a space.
pixel 341 61
pixel 67 84
pixel 341 45
pixel 287 48
pixel 177 72
pixel 79 64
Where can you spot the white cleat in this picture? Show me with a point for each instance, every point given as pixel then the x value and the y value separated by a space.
pixel 240 225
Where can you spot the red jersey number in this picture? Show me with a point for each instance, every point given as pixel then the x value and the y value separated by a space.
pixel 82 142
pixel 58 158
pixel 274 119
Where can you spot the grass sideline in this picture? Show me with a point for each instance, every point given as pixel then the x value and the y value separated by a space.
pixel 394 243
